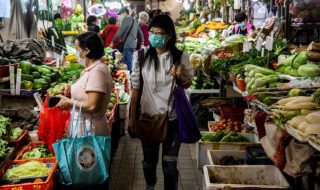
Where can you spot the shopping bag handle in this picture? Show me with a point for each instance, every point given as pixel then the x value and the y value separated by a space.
pixel 75 132
pixel 72 118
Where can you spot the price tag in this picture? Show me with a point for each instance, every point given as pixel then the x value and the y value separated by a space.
pixel 18 82
pixel 52 41
pixel 12 81
pixel 269 43
pixel 57 62
pixel 62 56
pixel 262 52
pixel 259 43
pixel 247 46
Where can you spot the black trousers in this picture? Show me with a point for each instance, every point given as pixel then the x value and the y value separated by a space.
pixel 170 152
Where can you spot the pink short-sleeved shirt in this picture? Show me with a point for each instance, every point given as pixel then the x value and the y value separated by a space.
pixel 95 78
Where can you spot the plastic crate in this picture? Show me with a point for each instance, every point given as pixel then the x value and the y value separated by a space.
pixel 214 156
pixel 4 70
pixel 28 148
pixel 256 161
pixel 203 146
pixel 24 139
pixel 46 185
pixel 233 113
pixel 243 177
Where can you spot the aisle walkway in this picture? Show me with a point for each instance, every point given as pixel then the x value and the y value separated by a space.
pixel 127 174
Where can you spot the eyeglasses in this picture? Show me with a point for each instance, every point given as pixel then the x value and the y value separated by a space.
pixel 157 33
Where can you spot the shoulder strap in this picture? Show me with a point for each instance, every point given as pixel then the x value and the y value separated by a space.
pixel 125 38
pixel 141 63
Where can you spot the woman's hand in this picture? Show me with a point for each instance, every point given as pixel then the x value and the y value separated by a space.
pixel 65 103
pixel 66 90
pixel 176 71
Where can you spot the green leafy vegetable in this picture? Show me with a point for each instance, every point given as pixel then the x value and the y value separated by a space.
pixel 3 148
pixel 16 133
pixel 39 152
pixel 4 122
pixel 309 70
pixel 27 170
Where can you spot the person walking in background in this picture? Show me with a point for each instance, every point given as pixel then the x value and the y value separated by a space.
pixel 109 32
pixel 128 34
pixel 92 24
pixel 143 21
pixel 164 65
pixel 242 27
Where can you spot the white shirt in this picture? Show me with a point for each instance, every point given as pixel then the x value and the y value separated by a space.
pixel 157 83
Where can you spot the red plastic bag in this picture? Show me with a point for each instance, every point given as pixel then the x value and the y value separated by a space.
pixel 53 122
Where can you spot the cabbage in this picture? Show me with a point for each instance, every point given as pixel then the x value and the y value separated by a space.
pixel 309 70
pixel 300 59
pixel 289 60
pixel 234 40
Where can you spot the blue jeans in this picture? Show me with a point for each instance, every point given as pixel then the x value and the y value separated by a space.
pixel 127 57
pixel 170 152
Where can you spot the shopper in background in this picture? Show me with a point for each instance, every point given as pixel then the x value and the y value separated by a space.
pixel 143 22
pixel 92 24
pixel 93 88
pixel 158 72
pixel 128 34
pixel 109 32
pixel 242 27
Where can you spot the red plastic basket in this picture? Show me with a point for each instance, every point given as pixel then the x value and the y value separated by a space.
pixel 233 113
pixel 24 139
pixel 29 147
pixel 46 185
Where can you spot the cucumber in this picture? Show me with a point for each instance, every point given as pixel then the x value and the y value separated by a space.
pixel 26 77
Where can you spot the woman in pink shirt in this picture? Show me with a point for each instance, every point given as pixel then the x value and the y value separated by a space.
pixel 143 20
pixel 93 88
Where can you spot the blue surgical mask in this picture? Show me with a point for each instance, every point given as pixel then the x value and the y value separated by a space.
pixel 241 25
pixel 157 41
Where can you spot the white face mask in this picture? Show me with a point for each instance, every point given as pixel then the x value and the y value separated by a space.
pixel 79 59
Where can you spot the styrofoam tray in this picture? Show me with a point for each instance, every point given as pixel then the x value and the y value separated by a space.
pixel 214 156
pixel 245 176
pixel 203 146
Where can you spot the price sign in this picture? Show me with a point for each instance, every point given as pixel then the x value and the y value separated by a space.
pixel 259 43
pixel 247 46
pixel 269 43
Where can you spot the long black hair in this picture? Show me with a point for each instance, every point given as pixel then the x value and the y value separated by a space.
pixel 164 22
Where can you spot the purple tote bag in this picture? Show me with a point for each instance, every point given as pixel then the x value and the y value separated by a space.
pixel 188 126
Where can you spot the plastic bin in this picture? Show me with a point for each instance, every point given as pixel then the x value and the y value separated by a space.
pixel 243 177
pixel 203 146
pixel 251 160
pixel 24 139
pixel 214 156
pixel 28 148
pixel 46 185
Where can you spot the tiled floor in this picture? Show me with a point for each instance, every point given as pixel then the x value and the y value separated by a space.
pixel 127 174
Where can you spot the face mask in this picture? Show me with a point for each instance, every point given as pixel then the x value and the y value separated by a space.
pixel 157 41
pixel 241 25
pixel 79 59
pixel 139 20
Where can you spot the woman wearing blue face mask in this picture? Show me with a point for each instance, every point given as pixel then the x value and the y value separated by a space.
pixel 164 66
pixel 242 27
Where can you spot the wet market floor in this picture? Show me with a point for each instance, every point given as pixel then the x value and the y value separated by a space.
pixel 126 169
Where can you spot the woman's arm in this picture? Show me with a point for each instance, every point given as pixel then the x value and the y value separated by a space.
pixel 92 105
pixel 184 72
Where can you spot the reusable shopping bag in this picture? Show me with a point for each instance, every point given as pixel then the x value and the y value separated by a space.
pixel 53 122
pixel 188 126
pixel 83 160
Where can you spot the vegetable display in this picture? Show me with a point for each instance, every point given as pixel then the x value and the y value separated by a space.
pixel 16 133
pixel 27 170
pixel 258 77
pixel 226 125
pixel 36 77
pixel 40 151
pixel 221 136
pixel 3 148
pixel 4 122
